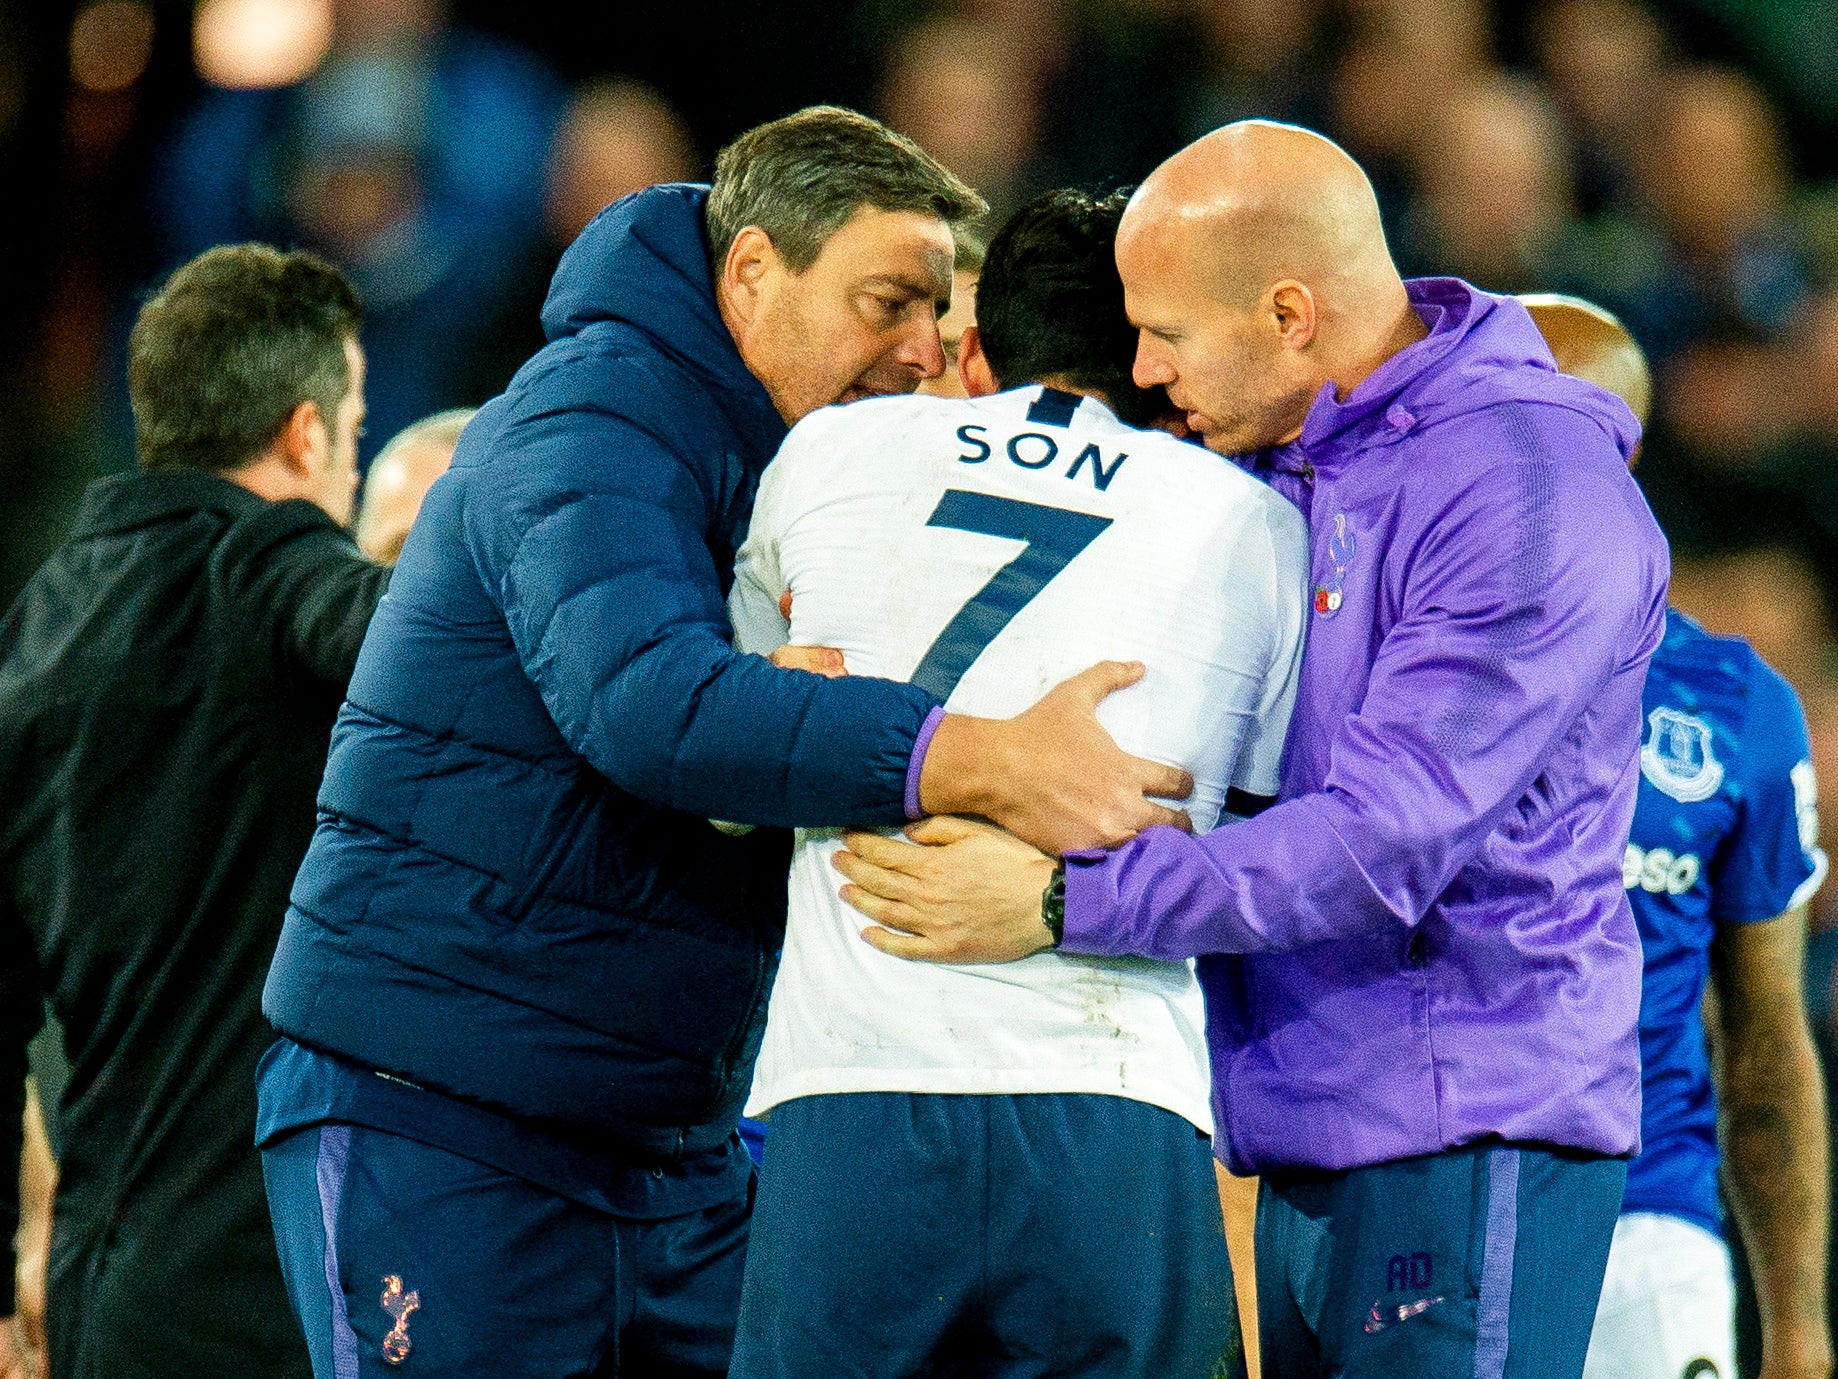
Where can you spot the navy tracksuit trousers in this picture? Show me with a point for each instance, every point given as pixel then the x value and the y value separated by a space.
pixel 1483 1262
pixel 403 1259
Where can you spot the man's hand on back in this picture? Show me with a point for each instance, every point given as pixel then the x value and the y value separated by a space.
pixel 972 894
pixel 818 660
pixel 1051 775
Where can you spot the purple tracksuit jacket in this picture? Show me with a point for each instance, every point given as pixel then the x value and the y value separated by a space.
pixel 1426 941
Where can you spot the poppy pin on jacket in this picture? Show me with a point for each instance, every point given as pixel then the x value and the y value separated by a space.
pixel 1329 594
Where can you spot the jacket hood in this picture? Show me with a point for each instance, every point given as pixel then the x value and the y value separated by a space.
pixel 1481 350
pixel 119 502
pixel 643 261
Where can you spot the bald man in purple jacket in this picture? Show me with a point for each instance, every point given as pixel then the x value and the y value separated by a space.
pixel 1422 973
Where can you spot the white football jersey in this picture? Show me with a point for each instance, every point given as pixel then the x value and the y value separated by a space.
pixel 987 549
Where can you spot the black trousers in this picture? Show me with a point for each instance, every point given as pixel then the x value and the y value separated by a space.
pixel 191 1289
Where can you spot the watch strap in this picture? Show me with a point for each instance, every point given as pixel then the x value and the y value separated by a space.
pixel 1053 904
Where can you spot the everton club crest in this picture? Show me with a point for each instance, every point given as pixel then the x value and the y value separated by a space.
pixel 1329 594
pixel 1677 756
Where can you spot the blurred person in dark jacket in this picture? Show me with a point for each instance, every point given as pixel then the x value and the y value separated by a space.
pixel 399 479
pixel 1377 98
pixel 616 137
pixel 970 96
pixel 1256 60
pixel 168 685
pixel 1707 267
pixel 1802 472
pixel 1718 178
pixel 522 981
pixel 413 158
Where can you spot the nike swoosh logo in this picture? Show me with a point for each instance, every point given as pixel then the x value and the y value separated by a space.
pixel 1382 1316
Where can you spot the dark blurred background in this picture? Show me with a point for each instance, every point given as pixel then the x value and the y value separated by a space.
pixel 1676 162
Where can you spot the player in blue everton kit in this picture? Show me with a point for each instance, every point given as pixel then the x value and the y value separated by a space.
pixel 1722 858
pixel 1724 840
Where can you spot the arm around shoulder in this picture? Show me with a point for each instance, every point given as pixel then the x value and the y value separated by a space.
pixel 1512 623
pixel 614 601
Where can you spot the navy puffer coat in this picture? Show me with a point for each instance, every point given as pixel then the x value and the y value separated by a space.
pixel 514 895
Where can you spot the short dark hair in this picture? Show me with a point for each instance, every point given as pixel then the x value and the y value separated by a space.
pixel 1050 303
pixel 229 346
pixel 801 178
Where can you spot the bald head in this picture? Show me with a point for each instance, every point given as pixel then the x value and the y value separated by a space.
pixel 400 477
pixel 1264 201
pixel 1591 344
pixel 1254 263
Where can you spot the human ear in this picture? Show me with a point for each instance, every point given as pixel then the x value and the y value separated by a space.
pixel 973 369
pixel 751 260
pixel 1292 309
pixel 305 441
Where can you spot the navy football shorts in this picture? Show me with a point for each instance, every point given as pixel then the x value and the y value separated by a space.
pixel 900 1235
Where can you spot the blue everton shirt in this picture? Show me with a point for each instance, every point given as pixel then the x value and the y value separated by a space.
pixel 1725 832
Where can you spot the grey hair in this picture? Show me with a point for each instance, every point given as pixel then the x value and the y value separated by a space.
pixel 801 178
pixel 972 248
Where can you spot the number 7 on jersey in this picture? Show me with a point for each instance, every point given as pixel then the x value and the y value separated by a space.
pixel 1054 537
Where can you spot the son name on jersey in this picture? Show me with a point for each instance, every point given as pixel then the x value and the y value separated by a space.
pixel 1038 450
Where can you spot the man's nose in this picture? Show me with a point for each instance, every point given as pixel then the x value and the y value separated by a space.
pixel 920 349
pixel 1152 368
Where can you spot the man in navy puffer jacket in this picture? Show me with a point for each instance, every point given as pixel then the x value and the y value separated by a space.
pixel 522 980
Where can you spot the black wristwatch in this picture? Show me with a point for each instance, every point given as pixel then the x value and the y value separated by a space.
pixel 1053 905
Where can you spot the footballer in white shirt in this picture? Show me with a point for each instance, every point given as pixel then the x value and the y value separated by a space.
pixel 1006 1168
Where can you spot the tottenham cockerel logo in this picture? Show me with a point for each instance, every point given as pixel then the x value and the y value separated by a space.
pixel 399 1305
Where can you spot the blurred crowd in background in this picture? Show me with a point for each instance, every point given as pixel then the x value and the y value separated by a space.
pixel 1675 162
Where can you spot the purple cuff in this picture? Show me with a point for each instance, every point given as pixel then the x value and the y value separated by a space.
pixel 916 767
pixel 1091 903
